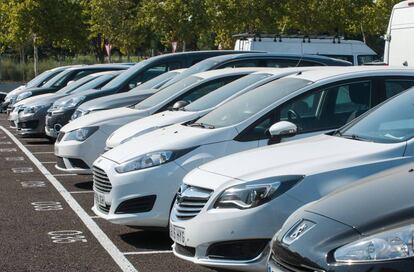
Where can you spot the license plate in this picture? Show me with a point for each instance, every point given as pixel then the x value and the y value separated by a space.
pixel 177 234
pixel 100 199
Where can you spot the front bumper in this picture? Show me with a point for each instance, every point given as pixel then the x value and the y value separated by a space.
pixel 160 181
pixel 55 121
pixel 232 226
pixel 86 151
pixel 31 124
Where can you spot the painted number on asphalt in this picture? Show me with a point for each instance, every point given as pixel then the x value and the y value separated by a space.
pixel 33 184
pixel 67 236
pixel 8 150
pixel 5 143
pixel 22 170
pixel 47 206
pixel 14 159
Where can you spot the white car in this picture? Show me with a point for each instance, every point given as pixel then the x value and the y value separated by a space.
pixel 246 197
pixel 135 183
pixel 199 108
pixel 82 141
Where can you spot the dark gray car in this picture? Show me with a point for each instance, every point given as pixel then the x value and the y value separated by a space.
pixel 368 226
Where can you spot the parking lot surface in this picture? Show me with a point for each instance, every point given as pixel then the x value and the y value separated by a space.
pixel 47 223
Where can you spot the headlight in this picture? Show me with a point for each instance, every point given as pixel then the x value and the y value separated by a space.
pixel 23 95
pixel 388 245
pixel 79 113
pixel 256 193
pixel 34 109
pixel 68 104
pixel 150 160
pixel 81 134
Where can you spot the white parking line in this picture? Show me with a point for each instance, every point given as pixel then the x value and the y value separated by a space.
pixel 148 252
pixel 81 192
pixel 102 238
pixel 45 152
pixel 63 175
pixel 47 162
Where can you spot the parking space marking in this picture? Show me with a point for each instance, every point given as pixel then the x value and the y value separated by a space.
pixel 148 252
pixel 22 170
pixel 47 162
pixel 81 192
pixel 102 238
pixel 14 158
pixel 63 175
pixel 33 184
pixel 42 152
pixel 8 149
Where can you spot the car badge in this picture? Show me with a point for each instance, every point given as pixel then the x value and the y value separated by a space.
pixel 297 231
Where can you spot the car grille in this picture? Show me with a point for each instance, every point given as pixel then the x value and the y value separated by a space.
pixel 189 201
pixel 101 181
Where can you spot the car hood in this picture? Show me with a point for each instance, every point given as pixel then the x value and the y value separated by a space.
pixel 103 117
pixel 381 200
pixel 302 157
pixel 174 137
pixel 86 93
pixel 36 91
pixel 43 99
pixel 147 124
pixel 114 101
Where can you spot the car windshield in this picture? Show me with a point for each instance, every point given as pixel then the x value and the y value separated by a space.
pixel 76 84
pixel 156 82
pixel 95 83
pixel 54 81
pixel 166 93
pixel 392 122
pixel 40 79
pixel 248 104
pixel 119 80
pixel 202 66
pixel 214 98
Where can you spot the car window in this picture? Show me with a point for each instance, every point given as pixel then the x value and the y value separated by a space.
pixel 241 63
pixel 395 86
pixel 349 58
pixel 306 63
pixel 223 93
pixel 282 63
pixel 151 73
pixel 156 82
pixel 392 122
pixel 250 103
pixel 319 109
pixel 204 89
pixel 366 58
pixel 82 74
pixel 328 108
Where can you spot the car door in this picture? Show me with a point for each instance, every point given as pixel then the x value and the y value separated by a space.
pixel 319 110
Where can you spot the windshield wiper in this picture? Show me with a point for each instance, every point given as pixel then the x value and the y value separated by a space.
pixel 355 137
pixel 202 125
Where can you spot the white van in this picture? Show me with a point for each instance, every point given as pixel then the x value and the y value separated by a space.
pixel 353 51
pixel 399 40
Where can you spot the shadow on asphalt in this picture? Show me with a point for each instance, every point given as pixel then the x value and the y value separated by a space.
pixel 87 185
pixel 151 240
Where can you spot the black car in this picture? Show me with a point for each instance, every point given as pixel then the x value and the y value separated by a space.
pixel 69 75
pixel 38 81
pixel 367 227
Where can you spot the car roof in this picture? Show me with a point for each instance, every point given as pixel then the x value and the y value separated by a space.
pixel 229 71
pixel 330 72
pixel 94 66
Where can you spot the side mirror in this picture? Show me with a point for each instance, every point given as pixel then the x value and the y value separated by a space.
pixel 70 82
pixel 282 129
pixel 133 85
pixel 179 104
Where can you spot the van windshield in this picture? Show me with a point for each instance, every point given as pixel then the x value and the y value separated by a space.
pixel 165 94
pixel 250 103
pixel 221 94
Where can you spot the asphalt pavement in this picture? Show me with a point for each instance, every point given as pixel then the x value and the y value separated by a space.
pixel 47 223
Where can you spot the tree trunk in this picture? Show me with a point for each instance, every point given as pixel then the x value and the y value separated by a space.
pixel 183 46
pixel 35 56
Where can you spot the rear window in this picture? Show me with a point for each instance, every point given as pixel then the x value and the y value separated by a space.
pixel 342 57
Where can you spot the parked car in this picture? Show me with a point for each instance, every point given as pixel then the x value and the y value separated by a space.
pixel 38 81
pixel 356 52
pixel 136 75
pixel 366 227
pixel 122 99
pixel 325 99
pixel 245 198
pixel 32 111
pixel 76 154
pixel 399 43
pixel 66 77
pixel 242 60
pixel 200 107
